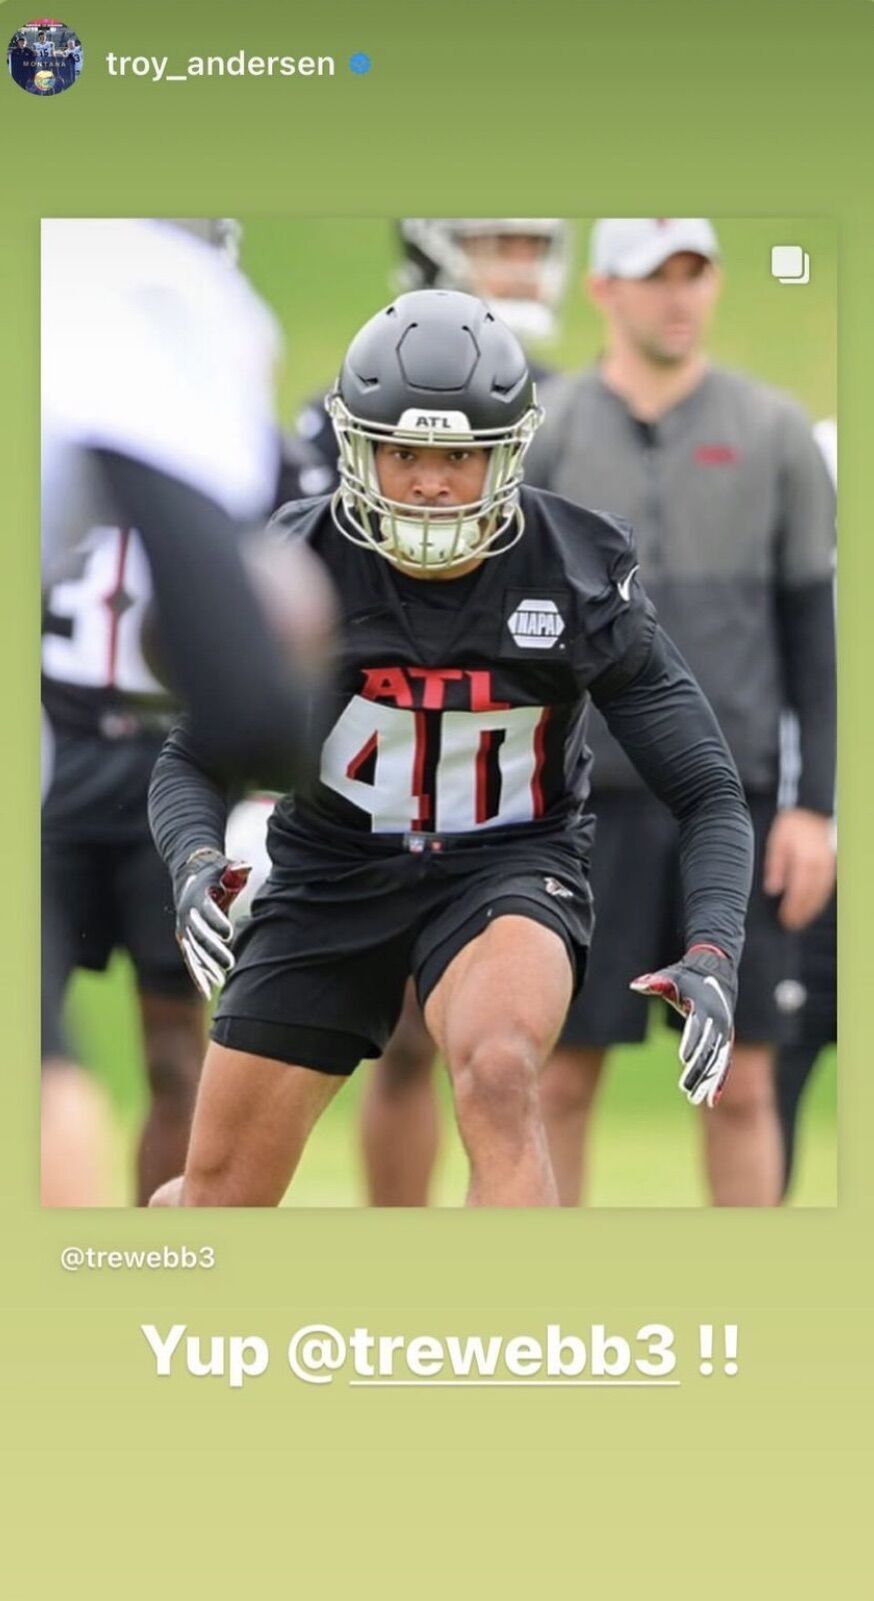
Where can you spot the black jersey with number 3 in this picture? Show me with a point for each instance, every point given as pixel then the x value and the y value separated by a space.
pixel 460 703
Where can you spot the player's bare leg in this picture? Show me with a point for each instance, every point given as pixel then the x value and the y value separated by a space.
pixel 568 1086
pixel 252 1120
pixel 400 1129
pixel 174 1040
pixel 743 1144
pixel 77 1138
pixel 495 1014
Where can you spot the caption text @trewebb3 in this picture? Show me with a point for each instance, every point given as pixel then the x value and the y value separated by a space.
pixel 316 1352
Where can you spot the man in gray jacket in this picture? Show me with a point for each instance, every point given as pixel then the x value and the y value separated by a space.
pixel 733 515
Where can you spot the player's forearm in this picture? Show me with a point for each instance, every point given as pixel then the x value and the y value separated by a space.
pixel 188 805
pixel 248 706
pixel 716 861
pixel 670 733
pixel 807 634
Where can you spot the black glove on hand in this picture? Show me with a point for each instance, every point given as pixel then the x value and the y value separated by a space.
pixel 703 988
pixel 205 890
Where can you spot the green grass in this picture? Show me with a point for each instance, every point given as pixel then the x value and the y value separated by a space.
pixel 644 1151
pixel 324 278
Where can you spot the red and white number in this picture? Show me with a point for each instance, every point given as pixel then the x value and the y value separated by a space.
pixel 489 771
pixel 101 611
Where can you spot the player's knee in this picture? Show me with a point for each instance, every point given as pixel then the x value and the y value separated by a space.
pixel 214 1179
pixel 173 1062
pixel 172 1088
pixel 568 1084
pixel 495 1082
pixel 219 1173
pixel 749 1092
pixel 405 1063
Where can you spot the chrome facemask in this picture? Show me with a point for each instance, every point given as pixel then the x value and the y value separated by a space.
pixel 429 539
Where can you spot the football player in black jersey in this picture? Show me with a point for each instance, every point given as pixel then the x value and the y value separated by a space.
pixel 104 887
pixel 520 266
pixel 447 837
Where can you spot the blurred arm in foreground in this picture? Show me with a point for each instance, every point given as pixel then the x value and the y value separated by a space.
pixel 158 413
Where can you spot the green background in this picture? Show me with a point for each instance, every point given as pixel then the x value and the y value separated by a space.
pixel 121 1485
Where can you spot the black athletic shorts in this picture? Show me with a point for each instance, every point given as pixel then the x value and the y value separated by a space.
pixel 55 972
pixel 323 962
pixel 104 886
pixel 815 1020
pixel 639 927
pixel 98 898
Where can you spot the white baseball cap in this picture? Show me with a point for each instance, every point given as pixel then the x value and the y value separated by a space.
pixel 633 247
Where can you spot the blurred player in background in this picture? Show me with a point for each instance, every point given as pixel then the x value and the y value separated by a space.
pixel 519 265
pixel 104 886
pixel 814 1014
pixel 734 516
pixel 158 399
pixel 447 836
pixel 159 415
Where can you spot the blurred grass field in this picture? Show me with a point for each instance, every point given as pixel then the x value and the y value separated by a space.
pixel 644 1153
pixel 323 278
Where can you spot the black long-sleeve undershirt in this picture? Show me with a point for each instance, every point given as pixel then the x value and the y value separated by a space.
pixel 669 731
pixel 188 802
pixel 806 620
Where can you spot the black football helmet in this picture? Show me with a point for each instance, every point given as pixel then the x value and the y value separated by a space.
pixel 438 369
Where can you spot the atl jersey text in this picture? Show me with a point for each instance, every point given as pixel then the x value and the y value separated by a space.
pixel 460 703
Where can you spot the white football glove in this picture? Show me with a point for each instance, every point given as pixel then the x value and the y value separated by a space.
pixel 702 986
pixel 206 888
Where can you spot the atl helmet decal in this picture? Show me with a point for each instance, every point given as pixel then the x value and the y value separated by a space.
pixel 536 624
pixel 445 422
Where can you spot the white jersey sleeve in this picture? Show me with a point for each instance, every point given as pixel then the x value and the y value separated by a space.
pixel 826 435
pixel 155 346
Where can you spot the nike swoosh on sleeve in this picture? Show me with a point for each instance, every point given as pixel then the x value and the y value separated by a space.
pixel 624 584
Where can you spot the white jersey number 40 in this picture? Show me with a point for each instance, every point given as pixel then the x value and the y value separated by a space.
pixel 488 773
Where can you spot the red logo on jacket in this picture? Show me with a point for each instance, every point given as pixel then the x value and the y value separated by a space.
pixel 716 455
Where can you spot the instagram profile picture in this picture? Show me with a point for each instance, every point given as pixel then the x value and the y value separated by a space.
pixel 44 57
